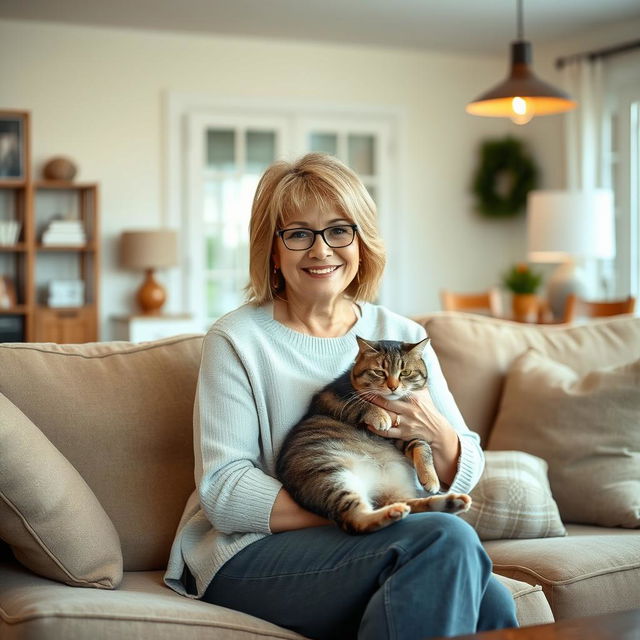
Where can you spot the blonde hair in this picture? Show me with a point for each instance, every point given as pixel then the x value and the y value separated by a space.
pixel 317 180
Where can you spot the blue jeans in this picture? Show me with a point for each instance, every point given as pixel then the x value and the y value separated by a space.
pixel 425 576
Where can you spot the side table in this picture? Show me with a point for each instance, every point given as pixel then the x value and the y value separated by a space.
pixel 142 328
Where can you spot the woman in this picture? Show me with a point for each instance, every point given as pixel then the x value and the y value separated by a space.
pixel 243 543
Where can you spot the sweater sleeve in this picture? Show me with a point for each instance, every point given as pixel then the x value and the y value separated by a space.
pixel 471 460
pixel 235 494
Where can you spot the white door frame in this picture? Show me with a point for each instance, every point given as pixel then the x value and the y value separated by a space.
pixel 180 106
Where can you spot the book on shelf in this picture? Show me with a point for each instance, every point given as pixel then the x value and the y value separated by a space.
pixel 50 239
pixel 64 232
pixel 65 224
pixel 9 232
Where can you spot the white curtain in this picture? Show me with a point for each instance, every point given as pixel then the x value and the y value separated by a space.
pixel 585 126
pixel 586 149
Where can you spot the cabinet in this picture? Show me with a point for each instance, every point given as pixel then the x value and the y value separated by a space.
pixel 68 325
pixel 29 265
pixel 144 328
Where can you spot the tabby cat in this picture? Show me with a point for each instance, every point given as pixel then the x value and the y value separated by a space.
pixel 334 466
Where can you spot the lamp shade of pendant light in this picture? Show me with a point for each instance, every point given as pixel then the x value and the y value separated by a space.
pixel 522 95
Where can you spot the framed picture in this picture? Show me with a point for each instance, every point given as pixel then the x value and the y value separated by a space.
pixel 13 146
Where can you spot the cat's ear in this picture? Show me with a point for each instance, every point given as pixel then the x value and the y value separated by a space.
pixel 366 346
pixel 417 348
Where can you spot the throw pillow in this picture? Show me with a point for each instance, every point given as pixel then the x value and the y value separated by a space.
pixel 513 499
pixel 48 514
pixel 475 354
pixel 586 427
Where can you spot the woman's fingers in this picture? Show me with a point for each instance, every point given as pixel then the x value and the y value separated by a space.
pixel 394 432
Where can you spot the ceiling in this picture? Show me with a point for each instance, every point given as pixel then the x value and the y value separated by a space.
pixel 483 26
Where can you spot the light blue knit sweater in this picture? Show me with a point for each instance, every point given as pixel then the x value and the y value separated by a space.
pixel 256 379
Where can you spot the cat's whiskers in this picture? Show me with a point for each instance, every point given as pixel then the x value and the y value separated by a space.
pixel 352 399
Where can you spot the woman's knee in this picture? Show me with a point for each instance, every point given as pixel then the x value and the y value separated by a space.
pixel 440 533
pixel 442 526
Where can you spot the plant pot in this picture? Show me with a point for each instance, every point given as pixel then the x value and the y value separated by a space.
pixel 525 307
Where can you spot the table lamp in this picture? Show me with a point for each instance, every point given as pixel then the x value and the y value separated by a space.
pixel 150 249
pixel 566 225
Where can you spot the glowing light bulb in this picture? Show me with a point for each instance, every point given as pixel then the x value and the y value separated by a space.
pixel 523 110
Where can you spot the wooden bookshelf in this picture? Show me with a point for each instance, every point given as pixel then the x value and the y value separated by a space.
pixel 30 264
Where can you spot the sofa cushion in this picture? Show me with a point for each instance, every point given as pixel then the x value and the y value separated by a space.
pixel 50 517
pixel 475 353
pixel 588 430
pixel 143 607
pixel 33 607
pixel 531 604
pixel 122 415
pixel 513 499
pixel 593 570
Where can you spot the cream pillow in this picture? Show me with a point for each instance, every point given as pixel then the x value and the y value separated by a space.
pixel 513 499
pixel 586 427
pixel 48 514
pixel 122 415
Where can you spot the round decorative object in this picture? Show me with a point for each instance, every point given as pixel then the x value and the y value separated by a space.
pixel 151 294
pixel 60 168
pixel 506 174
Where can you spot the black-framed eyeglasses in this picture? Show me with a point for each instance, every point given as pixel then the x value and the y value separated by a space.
pixel 301 238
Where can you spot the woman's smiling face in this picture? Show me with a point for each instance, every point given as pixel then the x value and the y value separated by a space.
pixel 321 272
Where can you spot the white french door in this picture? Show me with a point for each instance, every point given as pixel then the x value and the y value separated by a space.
pixel 366 145
pixel 227 156
pixel 216 159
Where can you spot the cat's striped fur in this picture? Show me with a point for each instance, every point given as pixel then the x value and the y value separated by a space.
pixel 333 465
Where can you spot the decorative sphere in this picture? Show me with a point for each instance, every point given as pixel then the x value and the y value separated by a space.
pixel 60 168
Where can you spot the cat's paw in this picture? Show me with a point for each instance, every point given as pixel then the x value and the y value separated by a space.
pixel 396 511
pixel 431 485
pixel 458 502
pixel 378 418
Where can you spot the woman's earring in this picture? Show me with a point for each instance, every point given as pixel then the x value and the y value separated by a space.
pixel 276 279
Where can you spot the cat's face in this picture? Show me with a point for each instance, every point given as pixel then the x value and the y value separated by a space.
pixel 388 368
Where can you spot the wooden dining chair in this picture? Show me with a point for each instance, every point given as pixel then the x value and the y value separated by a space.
pixel 576 307
pixel 488 301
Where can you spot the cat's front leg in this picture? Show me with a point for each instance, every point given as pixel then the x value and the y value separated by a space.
pixel 419 453
pixel 378 418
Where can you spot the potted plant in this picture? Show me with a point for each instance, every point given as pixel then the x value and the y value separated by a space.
pixel 523 284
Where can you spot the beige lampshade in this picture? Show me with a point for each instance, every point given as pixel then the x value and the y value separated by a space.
pixel 149 249
pixel 570 224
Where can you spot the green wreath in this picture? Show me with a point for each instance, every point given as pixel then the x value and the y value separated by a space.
pixel 504 177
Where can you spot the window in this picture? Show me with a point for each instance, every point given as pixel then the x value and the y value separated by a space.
pixel 624 171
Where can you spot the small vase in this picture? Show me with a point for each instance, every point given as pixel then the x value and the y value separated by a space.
pixel 525 307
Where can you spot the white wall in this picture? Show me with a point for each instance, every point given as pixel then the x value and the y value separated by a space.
pixel 96 95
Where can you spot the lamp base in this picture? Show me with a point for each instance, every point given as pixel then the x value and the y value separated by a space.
pixel 151 295
pixel 566 279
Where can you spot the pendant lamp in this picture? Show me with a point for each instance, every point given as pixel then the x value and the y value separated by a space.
pixel 522 95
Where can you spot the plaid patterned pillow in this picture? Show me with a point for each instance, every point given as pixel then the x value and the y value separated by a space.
pixel 513 499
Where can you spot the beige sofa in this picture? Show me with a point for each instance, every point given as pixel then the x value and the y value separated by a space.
pixel 120 415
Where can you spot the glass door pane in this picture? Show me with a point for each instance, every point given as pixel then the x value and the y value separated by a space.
pixel 324 142
pixel 361 154
pixel 220 149
pixel 261 150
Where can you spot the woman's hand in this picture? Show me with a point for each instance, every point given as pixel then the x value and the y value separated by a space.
pixel 418 417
